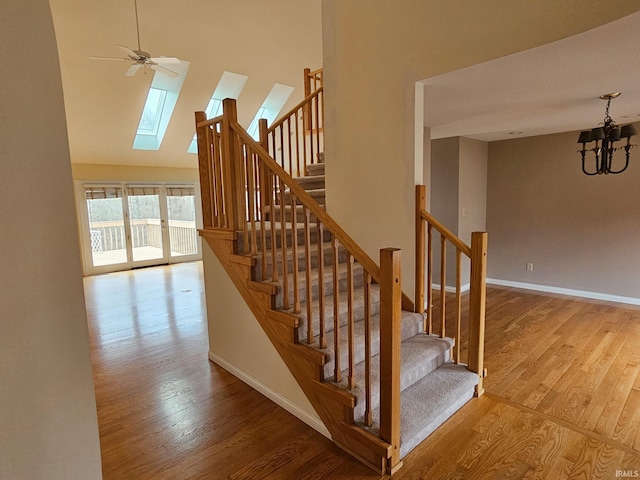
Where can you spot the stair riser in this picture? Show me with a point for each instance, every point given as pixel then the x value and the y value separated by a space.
pixel 328 286
pixel 288 215
pixel 317 195
pixel 313 238
pixel 315 169
pixel 343 316
pixel 412 372
pixel 311 182
pixel 314 257
pixel 409 328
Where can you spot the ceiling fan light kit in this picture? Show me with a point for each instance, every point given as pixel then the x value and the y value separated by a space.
pixel 141 59
pixel 605 137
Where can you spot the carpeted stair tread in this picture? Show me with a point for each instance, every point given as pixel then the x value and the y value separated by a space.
pixel 420 355
pixel 428 403
pixel 343 309
pixel 411 324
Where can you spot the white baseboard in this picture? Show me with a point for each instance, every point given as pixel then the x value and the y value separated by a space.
pixel 311 420
pixel 566 291
pixel 452 289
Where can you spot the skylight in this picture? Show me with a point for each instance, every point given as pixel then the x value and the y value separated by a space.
pixel 229 86
pixel 152 112
pixel 157 111
pixel 270 107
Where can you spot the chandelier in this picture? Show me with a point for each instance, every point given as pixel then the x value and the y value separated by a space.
pixel 606 137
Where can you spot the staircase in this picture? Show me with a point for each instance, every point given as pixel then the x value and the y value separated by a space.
pixel 370 362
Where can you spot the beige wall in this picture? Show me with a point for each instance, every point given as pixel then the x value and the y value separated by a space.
pixel 48 423
pixel 238 343
pixel 580 232
pixel 128 173
pixel 374 52
pixel 458 195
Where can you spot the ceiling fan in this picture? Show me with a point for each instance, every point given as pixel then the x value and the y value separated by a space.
pixel 141 59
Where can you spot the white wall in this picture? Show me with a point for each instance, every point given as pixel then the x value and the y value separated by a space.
pixel 48 423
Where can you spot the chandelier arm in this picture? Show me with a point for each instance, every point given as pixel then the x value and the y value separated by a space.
pixel 626 163
pixel 584 170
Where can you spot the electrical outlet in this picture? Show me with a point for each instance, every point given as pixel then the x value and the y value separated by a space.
pixel 529 267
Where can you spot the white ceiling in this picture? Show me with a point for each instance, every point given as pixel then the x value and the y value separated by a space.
pixel 548 89
pixel 269 42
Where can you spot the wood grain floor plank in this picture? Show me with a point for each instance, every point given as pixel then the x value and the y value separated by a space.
pixel 570 368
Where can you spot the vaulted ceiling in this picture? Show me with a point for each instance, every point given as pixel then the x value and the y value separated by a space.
pixel 547 89
pixel 270 42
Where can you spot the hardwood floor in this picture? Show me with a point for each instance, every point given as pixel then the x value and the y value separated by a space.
pixel 562 401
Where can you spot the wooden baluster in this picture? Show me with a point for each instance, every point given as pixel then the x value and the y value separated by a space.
pixel 368 415
pixel 420 233
pixel 321 95
pixel 307 258
pixel 477 298
pixel 289 147
pixel 297 140
pixel 458 338
pixel 266 186
pixel 390 338
pixel 251 194
pixel 337 372
pixel 316 100
pixel 205 166
pixel 294 253
pixel 282 150
pixel 429 326
pixel 351 320
pixel 273 193
pixel 283 248
pixel 322 341
pixel 264 204
pixel 304 139
pixel 443 284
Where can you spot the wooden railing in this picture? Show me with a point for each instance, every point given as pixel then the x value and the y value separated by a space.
pixel 245 190
pixel 313 80
pixel 473 341
pixel 110 235
pixel 297 138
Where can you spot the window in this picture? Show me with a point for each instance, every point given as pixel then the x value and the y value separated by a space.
pixel 270 107
pixel 152 112
pixel 229 86
pixel 156 114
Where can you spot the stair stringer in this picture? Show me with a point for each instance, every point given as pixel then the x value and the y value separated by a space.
pixel 334 406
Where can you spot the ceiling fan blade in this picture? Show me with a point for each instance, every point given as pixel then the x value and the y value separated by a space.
pixel 131 71
pixel 129 52
pixel 166 71
pixel 165 59
pixel 110 58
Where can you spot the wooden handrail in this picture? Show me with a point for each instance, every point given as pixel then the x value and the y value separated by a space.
pixel 284 117
pixel 301 194
pixel 444 231
pixel 477 253
pixel 249 194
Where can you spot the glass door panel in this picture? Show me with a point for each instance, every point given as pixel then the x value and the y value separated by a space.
pixel 181 213
pixel 106 225
pixel 145 223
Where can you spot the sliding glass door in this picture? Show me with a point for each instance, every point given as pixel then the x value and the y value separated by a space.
pixel 129 226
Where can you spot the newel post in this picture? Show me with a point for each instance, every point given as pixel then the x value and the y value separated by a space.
pixel 390 338
pixel 205 169
pixel 231 166
pixel 477 301
pixel 420 233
